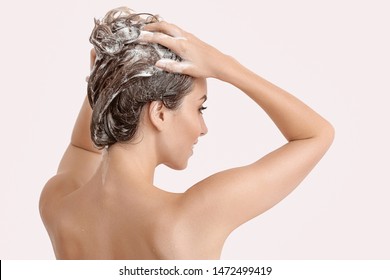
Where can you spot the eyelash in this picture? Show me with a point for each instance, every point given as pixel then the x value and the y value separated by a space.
pixel 201 109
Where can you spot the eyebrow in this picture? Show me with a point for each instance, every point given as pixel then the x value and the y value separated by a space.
pixel 204 97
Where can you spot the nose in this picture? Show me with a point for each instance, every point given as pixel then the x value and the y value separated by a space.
pixel 203 127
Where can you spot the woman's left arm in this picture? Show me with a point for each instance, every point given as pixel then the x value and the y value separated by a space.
pixel 225 200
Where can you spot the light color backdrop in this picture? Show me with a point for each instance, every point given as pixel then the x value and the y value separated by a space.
pixel 333 55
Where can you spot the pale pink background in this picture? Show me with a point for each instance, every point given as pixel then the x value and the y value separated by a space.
pixel 334 55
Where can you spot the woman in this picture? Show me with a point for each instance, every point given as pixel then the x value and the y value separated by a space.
pixel 147 89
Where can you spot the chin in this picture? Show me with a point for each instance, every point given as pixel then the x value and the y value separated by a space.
pixel 177 165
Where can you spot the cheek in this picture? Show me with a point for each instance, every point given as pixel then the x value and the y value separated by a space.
pixel 196 126
pixel 189 125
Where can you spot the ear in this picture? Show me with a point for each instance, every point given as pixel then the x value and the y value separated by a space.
pixel 157 114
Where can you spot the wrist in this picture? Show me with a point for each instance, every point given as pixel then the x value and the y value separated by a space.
pixel 230 70
pixel 222 67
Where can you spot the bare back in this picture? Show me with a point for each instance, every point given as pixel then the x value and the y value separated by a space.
pixel 95 222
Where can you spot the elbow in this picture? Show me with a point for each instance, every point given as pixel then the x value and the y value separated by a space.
pixel 327 134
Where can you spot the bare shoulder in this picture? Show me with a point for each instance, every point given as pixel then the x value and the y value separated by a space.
pixel 76 168
pixel 175 232
pixel 212 202
pixel 53 192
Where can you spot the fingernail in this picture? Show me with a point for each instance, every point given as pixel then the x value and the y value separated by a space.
pixel 161 63
pixel 144 35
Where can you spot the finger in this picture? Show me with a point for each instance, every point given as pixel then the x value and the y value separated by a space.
pixel 164 27
pixel 162 39
pixel 173 66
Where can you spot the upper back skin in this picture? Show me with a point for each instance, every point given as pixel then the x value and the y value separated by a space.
pixel 99 222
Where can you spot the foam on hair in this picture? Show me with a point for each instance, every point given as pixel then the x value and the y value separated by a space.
pixel 124 77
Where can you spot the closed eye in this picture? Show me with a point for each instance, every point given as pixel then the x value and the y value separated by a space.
pixel 201 109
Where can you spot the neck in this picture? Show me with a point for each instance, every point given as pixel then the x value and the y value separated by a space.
pixel 131 164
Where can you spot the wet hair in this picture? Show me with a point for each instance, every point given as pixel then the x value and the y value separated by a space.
pixel 124 77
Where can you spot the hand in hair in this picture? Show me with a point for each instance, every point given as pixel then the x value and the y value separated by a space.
pixel 199 59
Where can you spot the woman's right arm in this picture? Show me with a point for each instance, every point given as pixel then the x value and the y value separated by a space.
pixel 79 162
pixel 234 196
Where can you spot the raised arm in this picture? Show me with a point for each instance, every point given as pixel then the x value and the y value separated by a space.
pixel 78 163
pixel 229 198
pixel 81 158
